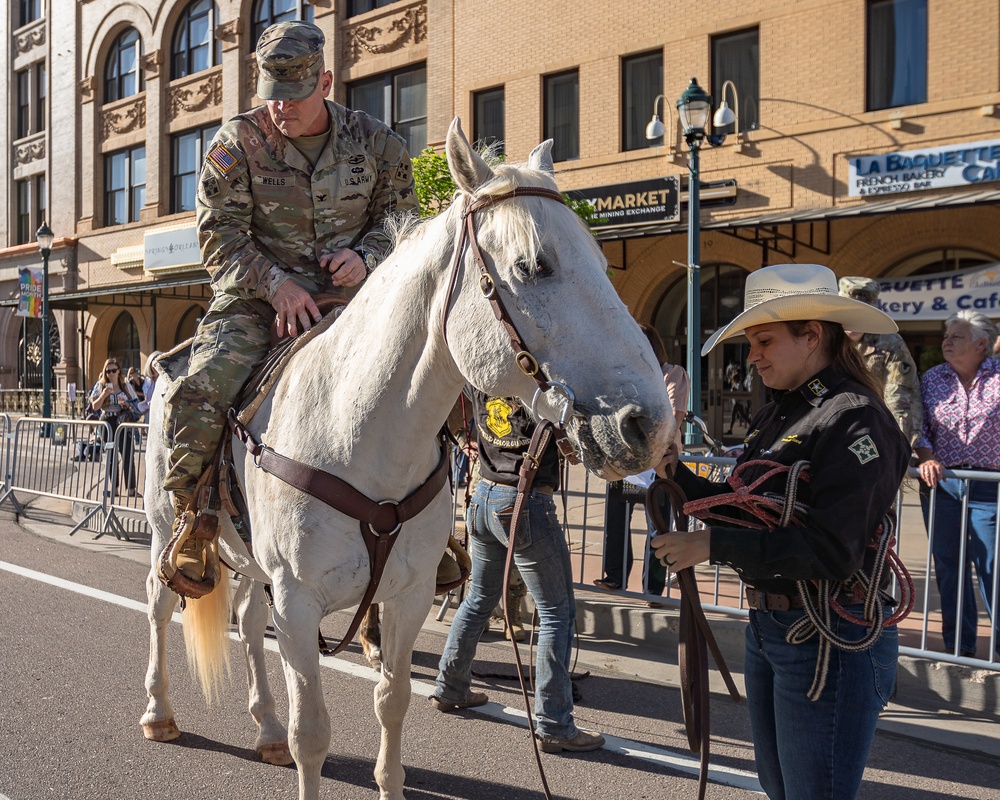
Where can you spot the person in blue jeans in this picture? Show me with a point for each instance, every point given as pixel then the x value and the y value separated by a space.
pixel 503 430
pixel 813 708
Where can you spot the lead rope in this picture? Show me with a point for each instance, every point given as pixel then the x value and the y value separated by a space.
pixel 818 619
pixel 529 467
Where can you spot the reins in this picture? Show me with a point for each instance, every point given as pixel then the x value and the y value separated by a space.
pixel 694 638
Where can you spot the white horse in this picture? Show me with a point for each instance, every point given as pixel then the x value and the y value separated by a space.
pixel 365 400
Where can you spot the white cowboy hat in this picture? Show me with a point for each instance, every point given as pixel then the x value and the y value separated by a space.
pixel 788 292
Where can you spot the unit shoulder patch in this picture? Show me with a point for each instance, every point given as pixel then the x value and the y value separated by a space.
pixel 865 449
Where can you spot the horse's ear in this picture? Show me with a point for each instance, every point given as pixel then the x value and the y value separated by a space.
pixel 466 165
pixel 541 157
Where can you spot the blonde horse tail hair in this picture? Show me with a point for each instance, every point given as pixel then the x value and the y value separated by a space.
pixel 206 638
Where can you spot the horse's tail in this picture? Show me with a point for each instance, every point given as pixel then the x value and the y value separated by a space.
pixel 206 638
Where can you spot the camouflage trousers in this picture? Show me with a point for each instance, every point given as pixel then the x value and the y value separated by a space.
pixel 231 340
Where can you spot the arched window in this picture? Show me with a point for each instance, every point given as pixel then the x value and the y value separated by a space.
pixel 195 45
pixel 123 343
pixel 123 73
pixel 267 12
pixel 188 324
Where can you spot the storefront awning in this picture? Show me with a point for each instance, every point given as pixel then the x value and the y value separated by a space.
pixel 81 299
pixel 899 204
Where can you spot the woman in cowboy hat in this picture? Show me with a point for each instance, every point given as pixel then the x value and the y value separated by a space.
pixel 813 707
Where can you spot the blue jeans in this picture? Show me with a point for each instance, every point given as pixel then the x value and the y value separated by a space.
pixel 808 750
pixel 980 544
pixel 543 558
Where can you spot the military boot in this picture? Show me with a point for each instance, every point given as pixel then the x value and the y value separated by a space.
pixel 191 558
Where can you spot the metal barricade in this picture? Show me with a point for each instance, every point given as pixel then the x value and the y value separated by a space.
pixel 63 459
pixel 977 540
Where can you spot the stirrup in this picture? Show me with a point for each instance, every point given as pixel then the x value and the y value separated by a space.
pixel 187 526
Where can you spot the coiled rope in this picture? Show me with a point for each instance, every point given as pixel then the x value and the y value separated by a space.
pixel 781 511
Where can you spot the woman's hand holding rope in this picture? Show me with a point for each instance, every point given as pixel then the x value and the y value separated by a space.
pixel 678 551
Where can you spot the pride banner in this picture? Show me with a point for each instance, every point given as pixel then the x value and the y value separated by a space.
pixel 30 302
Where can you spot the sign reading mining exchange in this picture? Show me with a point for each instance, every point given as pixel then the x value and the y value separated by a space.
pixel 635 203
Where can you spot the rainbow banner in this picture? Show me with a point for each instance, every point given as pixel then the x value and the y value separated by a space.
pixel 30 302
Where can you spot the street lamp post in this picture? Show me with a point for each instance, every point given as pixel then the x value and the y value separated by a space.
pixel 45 237
pixel 694 108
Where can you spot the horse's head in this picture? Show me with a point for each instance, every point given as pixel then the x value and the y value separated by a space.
pixel 550 274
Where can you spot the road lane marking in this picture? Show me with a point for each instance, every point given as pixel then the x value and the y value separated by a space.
pixel 678 761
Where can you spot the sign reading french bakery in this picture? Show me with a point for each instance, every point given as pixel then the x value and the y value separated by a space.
pixel 621 204
pixel 965 164
pixel 171 249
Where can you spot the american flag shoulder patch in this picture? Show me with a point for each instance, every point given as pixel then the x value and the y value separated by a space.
pixel 222 158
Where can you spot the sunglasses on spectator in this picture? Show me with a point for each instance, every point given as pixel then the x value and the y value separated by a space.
pixel 111 369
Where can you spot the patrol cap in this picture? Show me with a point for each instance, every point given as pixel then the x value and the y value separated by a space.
pixel 290 58
pixel 864 289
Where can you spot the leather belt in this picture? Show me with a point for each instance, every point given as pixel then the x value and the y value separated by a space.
pixel 772 601
pixel 536 489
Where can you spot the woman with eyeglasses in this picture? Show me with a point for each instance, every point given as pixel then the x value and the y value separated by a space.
pixel 961 430
pixel 111 397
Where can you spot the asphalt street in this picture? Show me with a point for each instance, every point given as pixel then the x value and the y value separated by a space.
pixel 73 650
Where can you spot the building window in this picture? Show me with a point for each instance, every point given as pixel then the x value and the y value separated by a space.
pixel 897 53
pixel 123 343
pixel 355 7
pixel 23 103
pixel 31 92
pixel 195 45
pixel 187 154
pixel 736 58
pixel 561 121
pixel 30 207
pixel 123 76
pixel 30 11
pixel 41 91
pixel 188 325
pixel 23 212
pixel 399 99
pixel 487 119
pixel 124 185
pixel 642 81
pixel 267 12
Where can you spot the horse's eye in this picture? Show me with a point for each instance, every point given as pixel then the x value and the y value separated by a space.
pixel 528 271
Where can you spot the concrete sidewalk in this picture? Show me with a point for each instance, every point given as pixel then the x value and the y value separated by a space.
pixel 949 705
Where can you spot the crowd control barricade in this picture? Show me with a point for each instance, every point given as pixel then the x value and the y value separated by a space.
pixel 127 473
pixel 722 590
pixel 7 429
pixel 64 459
pixel 985 590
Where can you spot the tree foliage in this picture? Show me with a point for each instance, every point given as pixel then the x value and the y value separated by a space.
pixel 436 189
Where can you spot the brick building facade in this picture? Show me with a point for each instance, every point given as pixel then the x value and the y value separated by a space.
pixel 109 104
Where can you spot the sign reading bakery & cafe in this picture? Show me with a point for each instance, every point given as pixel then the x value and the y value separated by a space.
pixel 966 164
pixel 635 203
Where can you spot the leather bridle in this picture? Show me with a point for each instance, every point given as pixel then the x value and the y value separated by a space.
pixel 526 362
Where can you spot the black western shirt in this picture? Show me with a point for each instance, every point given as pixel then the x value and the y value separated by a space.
pixel 857 458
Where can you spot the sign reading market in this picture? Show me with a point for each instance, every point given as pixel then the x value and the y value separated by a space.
pixel 965 164
pixel 633 203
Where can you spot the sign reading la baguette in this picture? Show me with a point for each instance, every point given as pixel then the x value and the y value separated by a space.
pixel 620 204
pixel 965 164
pixel 923 297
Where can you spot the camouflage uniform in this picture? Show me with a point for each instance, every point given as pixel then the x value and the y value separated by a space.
pixel 888 357
pixel 266 215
